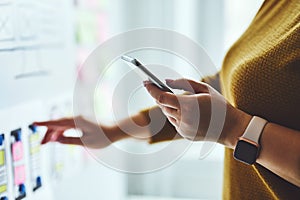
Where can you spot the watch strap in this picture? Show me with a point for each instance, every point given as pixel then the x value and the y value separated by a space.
pixel 254 129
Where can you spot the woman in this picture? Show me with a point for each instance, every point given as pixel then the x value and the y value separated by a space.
pixel 260 77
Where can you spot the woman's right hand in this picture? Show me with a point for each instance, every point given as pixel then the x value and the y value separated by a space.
pixel 91 136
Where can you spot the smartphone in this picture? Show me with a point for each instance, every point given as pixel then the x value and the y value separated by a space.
pixel 133 61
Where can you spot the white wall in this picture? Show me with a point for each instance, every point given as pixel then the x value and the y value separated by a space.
pixel 37 74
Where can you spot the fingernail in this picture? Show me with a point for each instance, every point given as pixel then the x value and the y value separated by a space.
pixel 146 83
pixel 53 138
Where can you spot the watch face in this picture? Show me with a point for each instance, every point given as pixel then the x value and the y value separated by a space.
pixel 246 152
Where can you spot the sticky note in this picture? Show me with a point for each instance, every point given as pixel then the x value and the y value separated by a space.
pixel 17 151
pixel 86 28
pixel 2 157
pixel 34 138
pixel 19 173
pixel 3 188
pixel 35 149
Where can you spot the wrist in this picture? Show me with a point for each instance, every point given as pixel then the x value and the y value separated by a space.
pixel 236 127
pixel 114 133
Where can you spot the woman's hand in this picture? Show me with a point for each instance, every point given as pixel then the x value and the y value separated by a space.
pixel 191 114
pixel 93 136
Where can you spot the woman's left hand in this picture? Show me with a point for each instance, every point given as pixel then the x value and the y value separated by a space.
pixel 191 114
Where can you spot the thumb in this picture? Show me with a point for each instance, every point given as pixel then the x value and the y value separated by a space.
pixel 188 85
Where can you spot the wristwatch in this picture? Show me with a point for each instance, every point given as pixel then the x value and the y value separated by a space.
pixel 247 148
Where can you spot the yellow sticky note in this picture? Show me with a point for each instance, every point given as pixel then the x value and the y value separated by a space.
pixel 2 157
pixel 35 149
pixel 3 188
pixel 34 137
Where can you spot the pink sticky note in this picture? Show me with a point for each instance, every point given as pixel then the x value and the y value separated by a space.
pixel 19 173
pixel 17 151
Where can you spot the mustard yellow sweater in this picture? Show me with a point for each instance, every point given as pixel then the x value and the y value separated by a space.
pixel 261 76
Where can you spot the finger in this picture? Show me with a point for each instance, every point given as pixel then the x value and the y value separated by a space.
pixel 47 136
pixel 65 122
pixel 171 112
pixel 158 104
pixel 173 121
pixel 56 135
pixel 69 140
pixel 51 135
pixel 69 122
pixel 164 98
pixel 188 85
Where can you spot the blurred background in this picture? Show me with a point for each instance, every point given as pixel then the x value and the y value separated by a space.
pixel 44 43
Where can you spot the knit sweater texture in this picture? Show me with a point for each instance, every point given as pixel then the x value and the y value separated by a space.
pixel 261 76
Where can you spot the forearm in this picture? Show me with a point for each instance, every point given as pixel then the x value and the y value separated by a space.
pixel 280 148
pixel 143 126
pixel 280 152
pixel 133 127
